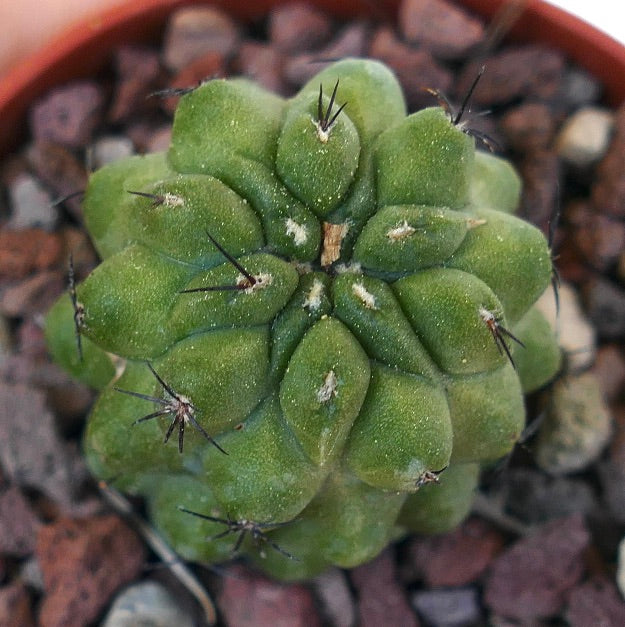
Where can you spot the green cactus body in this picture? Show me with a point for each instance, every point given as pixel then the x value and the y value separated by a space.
pixel 316 306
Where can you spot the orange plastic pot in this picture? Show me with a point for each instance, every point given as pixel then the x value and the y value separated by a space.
pixel 87 46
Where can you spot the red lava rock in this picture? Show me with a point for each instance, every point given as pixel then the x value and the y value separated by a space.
pixel 18 523
pixel 599 237
pixel 444 29
pixel 415 69
pixel 381 597
pixel 211 64
pixel 609 367
pixel 457 558
pixel 263 62
pixel 297 27
pixel 595 602
pixel 26 251
pixel 608 191
pixel 541 175
pixel 58 168
pixel 195 31
pixel 528 127
pixel 137 72
pixel 249 599
pixel 68 115
pixel 15 606
pixel 522 72
pixel 34 295
pixel 83 562
pixel 530 579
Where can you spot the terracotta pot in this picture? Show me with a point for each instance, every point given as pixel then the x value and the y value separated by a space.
pixel 85 48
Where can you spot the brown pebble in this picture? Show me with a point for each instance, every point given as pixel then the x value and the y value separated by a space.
pixel 541 174
pixel 531 579
pixel 61 171
pixel 608 191
pixel 528 127
pixel 351 41
pixel 457 558
pixel 137 71
pixel 381 599
pixel 209 65
pixel 83 562
pixel 34 295
pixel 195 31
pixel 248 599
pixel 530 71
pixel 160 140
pixel 15 606
pixel 297 27
pixel 416 69
pixel 25 251
pixel 599 238
pixel 68 115
pixel 263 63
pixel 442 28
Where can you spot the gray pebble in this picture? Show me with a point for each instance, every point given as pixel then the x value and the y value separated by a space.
pixel 31 204
pixel 30 573
pixel 147 604
pixel 109 149
pixel 535 498
pixel 578 88
pixel 448 608
pixel 620 573
pixel 577 427
pixel 332 589
pixel 605 303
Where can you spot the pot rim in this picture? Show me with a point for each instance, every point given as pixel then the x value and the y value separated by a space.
pixel 86 46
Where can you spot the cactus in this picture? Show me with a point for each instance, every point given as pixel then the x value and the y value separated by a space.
pixel 322 301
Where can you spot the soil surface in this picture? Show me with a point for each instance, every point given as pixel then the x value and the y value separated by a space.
pixel 542 545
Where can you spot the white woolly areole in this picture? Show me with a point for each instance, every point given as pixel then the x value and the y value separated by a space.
pixel 313 298
pixel 400 232
pixel 367 298
pixel 348 268
pixel 171 200
pixel 296 231
pixel 485 315
pixel 263 280
pixel 328 389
